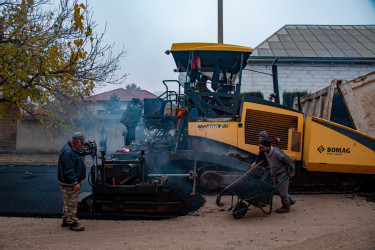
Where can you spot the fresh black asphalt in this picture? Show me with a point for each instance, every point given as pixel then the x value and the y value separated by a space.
pixel 31 190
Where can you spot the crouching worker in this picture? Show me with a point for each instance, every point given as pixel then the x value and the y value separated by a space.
pixel 281 166
pixel 71 171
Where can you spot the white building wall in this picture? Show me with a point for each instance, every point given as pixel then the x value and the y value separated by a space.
pixel 299 77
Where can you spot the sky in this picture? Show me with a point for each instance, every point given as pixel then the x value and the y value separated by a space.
pixel 147 28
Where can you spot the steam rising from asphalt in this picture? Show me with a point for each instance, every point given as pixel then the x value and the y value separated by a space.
pixel 91 123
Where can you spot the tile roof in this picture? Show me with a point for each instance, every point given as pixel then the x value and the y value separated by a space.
pixel 319 41
pixel 123 94
pixel 142 94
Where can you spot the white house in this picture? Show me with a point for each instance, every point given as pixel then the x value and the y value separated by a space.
pixel 309 57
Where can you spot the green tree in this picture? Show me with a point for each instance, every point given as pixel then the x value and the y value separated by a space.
pixel 113 104
pixel 132 86
pixel 51 59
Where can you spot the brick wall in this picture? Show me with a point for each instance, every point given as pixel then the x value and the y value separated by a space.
pixel 8 130
pixel 301 77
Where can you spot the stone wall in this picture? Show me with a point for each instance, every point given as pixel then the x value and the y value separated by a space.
pixel 301 77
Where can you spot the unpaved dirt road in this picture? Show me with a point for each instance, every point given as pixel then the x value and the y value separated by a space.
pixel 315 222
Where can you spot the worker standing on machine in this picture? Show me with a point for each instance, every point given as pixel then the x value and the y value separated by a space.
pixel 281 166
pixel 71 172
pixel 130 119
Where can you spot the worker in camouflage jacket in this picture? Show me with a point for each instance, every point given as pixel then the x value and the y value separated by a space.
pixel 282 167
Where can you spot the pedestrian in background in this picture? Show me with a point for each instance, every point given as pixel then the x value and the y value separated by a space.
pixel 282 167
pixel 103 139
pixel 71 172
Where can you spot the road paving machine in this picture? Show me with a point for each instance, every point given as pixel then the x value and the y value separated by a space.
pixel 207 133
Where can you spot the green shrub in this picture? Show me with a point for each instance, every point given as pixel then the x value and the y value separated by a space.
pixel 288 97
pixel 254 93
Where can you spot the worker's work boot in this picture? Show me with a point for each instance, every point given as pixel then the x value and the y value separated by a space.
pixel 283 210
pixel 64 224
pixel 292 202
pixel 76 227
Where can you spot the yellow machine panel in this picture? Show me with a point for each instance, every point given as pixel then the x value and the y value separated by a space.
pixel 330 147
pixel 285 124
pixel 225 132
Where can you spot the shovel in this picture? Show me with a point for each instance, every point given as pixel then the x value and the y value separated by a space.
pixel 218 198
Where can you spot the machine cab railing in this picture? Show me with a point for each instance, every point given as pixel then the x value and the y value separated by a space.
pixel 164 112
pixel 174 100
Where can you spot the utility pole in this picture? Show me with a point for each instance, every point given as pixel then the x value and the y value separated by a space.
pixel 220 21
